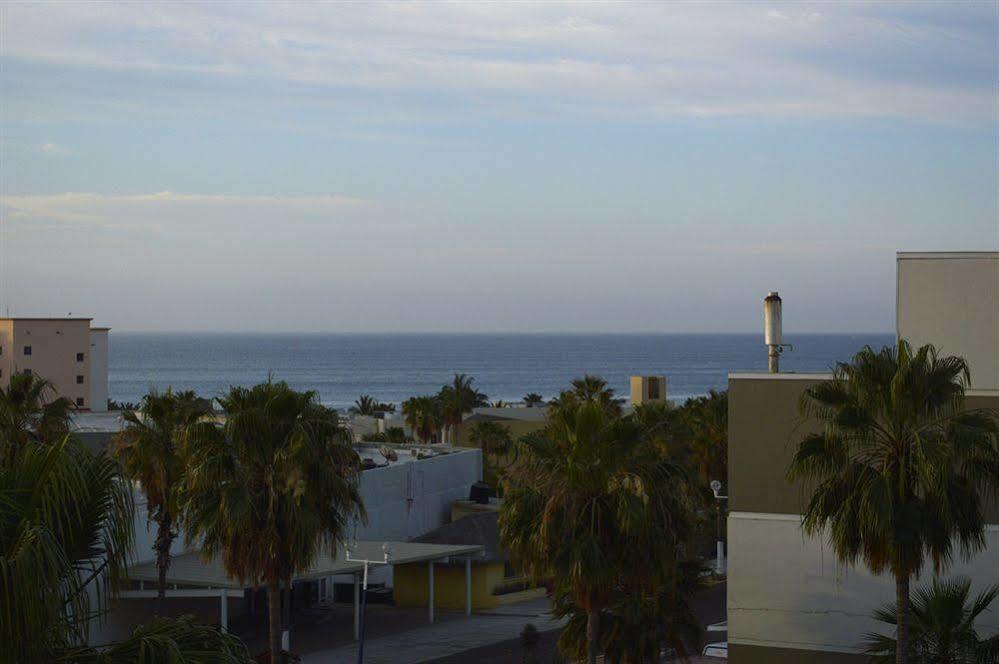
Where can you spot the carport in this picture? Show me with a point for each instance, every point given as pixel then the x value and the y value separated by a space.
pixel 190 576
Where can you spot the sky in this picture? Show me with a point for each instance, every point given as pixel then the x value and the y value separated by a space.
pixel 523 167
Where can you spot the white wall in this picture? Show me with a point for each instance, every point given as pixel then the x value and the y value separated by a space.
pixel 99 370
pixel 952 301
pixel 787 590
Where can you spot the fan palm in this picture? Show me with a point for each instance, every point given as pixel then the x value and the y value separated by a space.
pixel 589 501
pixel 706 419
pixel 639 623
pixel 942 629
pixel 28 413
pixel 590 388
pixel 364 405
pixel 456 399
pixel 900 466
pixel 533 399
pixel 423 416
pixel 495 442
pixel 65 538
pixel 150 451
pixel 271 488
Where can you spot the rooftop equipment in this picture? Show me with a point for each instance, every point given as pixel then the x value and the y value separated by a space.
pixel 772 335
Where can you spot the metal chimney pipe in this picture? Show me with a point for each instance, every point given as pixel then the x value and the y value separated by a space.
pixel 772 329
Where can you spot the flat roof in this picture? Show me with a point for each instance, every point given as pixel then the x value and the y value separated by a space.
pixel 191 569
pixel 917 255
pixel 30 318
pixel 784 375
pixel 100 329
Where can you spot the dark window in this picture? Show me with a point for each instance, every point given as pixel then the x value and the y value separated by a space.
pixel 79 380
pixel 79 357
pixel 654 389
pixel 27 350
pixel 79 401
pixel 26 372
pixel 1 350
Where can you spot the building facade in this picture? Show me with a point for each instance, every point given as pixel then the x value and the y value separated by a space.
pixel 64 351
pixel 789 599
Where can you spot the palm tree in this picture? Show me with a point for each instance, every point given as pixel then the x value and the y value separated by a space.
pixel 533 399
pixel 364 405
pixel 706 419
pixel 590 388
pixel 640 622
pixel 942 629
pixel 495 442
pixel 149 449
pixel 457 399
pixel 899 466
pixel 270 489
pixel 65 540
pixel 28 413
pixel 589 501
pixel 423 416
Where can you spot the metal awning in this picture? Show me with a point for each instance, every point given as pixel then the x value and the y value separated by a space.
pixel 189 569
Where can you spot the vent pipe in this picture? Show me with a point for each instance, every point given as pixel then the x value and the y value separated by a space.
pixel 772 329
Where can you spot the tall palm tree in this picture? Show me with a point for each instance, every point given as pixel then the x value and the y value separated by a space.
pixel 588 501
pixel 640 622
pixel 943 627
pixel 150 451
pixel 496 443
pixel 65 540
pixel 364 405
pixel 423 416
pixel 590 388
pixel 27 411
pixel 900 467
pixel 456 399
pixel 533 399
pixel 706 419
pixel 271 488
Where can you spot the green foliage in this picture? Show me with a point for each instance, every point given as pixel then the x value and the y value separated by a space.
pixel 496 443
pixel 589 389
pixel 167 641
pixel 899 467
pixel 706 422
pixel 533 400
pixel 27 413
pixel 395 435
pixel 368 405
pixel 942 627
pixel 592 504
pixel 455 400
pixel 640 622
pixel 423 416
pixel 271 488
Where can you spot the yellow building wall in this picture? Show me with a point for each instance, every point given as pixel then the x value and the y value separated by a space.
pixel 54 344
pixel 411 586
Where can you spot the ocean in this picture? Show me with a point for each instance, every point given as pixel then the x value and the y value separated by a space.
pixel 393 367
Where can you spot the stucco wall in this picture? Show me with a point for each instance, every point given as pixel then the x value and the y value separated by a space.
pixel 54 344
pixel 412 585
pixel 952 301
pixel 99 369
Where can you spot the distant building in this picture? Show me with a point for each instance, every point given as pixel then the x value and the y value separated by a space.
pixel 648 389
pixel 65 351
pixel 789 599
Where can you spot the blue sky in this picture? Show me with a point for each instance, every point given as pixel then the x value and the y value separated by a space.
pixel 489 167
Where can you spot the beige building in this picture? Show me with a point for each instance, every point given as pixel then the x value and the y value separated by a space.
pixel 789 600
pixel 65 351
pixel 648 389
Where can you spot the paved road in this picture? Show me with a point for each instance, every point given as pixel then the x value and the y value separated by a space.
pixel 432 642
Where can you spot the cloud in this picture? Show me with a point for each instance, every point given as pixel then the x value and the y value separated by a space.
pixel 690 59
pixel 90 211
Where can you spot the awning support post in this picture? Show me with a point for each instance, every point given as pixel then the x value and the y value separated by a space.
pixel 430 592
pixel 357 607
pixel 224 600
pixel 468 585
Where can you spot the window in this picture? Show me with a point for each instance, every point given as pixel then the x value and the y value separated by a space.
pixel 27 350
pixel 79 401
pixel 79 357
pixel 79 380
pixel 26 372
pixel 654 389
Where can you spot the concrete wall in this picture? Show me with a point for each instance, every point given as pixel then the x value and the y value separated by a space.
pixel 99 369
pixel 952 301
pixel 55 343
pixel 6 351
pixel 789 600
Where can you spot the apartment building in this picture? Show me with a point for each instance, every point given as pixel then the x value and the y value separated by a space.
pixel 68 352
pixel 789 599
